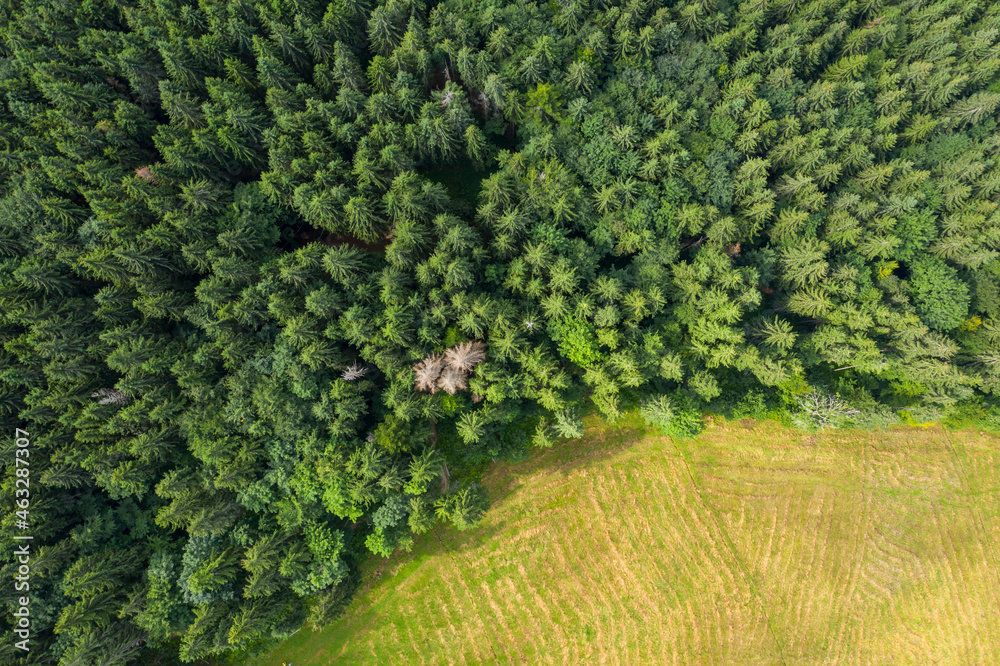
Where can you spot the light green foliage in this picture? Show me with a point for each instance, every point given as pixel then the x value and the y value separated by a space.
pixel 544 102
pixel 939 294
pixel 386 538
pixel 568 424
pixel 165 612
pixel 464 508
pixel 917 230
pixel 705 385
pixel 423 469
pixel 577 342
pixel 394 434
pixel 671 417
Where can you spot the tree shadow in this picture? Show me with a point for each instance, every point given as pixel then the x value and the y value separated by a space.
pixel 564 458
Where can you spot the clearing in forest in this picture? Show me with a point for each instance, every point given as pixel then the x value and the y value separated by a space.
pixel 750 544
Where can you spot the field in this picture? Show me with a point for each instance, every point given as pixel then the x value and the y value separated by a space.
pixel 752 544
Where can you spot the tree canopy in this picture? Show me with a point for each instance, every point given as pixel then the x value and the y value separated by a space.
pixel 282 278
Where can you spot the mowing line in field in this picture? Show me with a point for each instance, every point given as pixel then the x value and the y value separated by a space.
pixel 444 611
pixel 732 551
pixel 497 638
pixel 802 604
pixel 693 533
pixel 974 507
pixel 860 542
pixel 960 592
pixel 620 560
pixel 618 565
pixel 540 602
pixel 514 606
pixel 620 495
pixel 591 569
pixel 573 580
pixel 652 544
pixel 635 552
pixel 700 548
pixel 471 599
pixel 697 536
pixel 669 596
pixel 500 618
pixel 671 647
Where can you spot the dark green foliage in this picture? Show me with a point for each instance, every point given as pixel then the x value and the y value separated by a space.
pixel 939 294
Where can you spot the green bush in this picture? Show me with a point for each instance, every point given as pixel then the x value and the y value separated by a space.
pixel 671 417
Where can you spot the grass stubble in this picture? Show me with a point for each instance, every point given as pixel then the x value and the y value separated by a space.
pixel 751 544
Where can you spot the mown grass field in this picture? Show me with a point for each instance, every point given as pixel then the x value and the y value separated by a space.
pixel 752 544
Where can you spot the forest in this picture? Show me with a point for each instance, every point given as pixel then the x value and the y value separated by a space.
pixel 282 278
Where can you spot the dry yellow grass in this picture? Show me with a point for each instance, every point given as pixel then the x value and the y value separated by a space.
pixel 751 544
